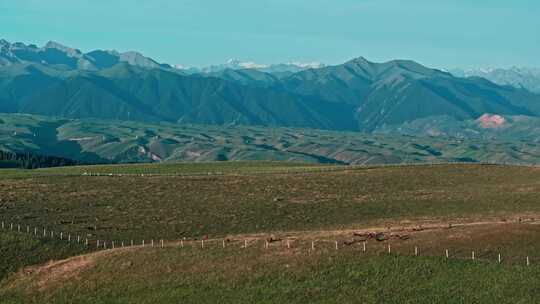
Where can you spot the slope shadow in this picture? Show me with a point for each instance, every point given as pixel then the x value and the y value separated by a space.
pixel 46 138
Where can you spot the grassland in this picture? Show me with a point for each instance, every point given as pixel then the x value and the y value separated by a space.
pixel 488 209
pixel 21 250
pixel 172 207
pixel 255 275
pixel 172 169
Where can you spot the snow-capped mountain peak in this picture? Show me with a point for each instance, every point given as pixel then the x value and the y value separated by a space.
pixel 235 64
pixel 519 77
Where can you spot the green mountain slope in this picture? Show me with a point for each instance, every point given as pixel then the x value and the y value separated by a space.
pixel 126 92
pixel 399 91
pixel 358 95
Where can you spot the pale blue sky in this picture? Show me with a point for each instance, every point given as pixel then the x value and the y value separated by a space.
pixel 450 33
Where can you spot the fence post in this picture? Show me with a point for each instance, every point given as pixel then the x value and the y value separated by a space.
pixel 415 250
pixel 499 258
pixel 86 241
pixel 447 255
pixel 61 235
pixel 131 243
pixel 122 244
pixel 44 232
pixel 152 243
pixel 27 229
pixel 364 243
pixel 528 263
pixel 78 239
pixel 337 245
pixel 97 244
pixel 11 226
pixel 143 243
pixel 473 255
pixel 162 244
pixel 69 238
pixel 389 251
pixel 223 243
pixel 181 243
pixel 288 244
pixel 313 246
pixel 35 231
pixel 245 244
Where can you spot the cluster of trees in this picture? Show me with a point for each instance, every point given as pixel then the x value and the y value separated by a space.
pixel 32 161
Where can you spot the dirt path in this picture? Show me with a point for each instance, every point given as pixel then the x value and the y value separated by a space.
pixel 55 272
pixel 391 227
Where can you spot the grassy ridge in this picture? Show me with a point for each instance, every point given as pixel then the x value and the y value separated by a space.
pixel 180 169
pixel 253 276
pixel 20 250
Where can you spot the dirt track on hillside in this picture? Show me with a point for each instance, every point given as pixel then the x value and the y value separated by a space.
pixel 428 231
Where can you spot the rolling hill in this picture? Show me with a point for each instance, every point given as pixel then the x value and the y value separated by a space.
pixel 255 232
pixel 106 141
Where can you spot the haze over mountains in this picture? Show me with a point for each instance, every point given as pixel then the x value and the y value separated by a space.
pixel 358 95
pixel 63 57
pixel 235 64
pixel 519 77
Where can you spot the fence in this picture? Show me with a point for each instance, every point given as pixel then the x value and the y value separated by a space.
pixel 296 243
pixel 292 170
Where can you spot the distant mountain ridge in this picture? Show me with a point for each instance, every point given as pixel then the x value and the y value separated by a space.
pixel 127 92
pixel 235 64
pixel 398 91
pixel 54 53
pixel 358 95
pixel 519 77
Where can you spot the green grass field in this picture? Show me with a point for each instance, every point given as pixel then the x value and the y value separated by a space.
pixel 165 207
pixel 175 169
pixel 20 250
pixel 238 200
pixel 191 275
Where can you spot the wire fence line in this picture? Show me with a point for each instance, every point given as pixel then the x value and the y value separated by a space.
pixel 292 170
pixel 287 243
pixel 303 170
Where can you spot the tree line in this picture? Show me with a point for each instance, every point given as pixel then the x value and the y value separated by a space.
pixel 32 161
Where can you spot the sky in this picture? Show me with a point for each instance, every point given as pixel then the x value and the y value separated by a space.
pixel 437 33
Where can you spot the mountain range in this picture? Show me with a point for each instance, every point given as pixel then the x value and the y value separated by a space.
pixel 519 77
pixel 235 64
pixel 359 95
pixel 62 57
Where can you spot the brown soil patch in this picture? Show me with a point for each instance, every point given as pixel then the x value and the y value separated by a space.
pixel 58 272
